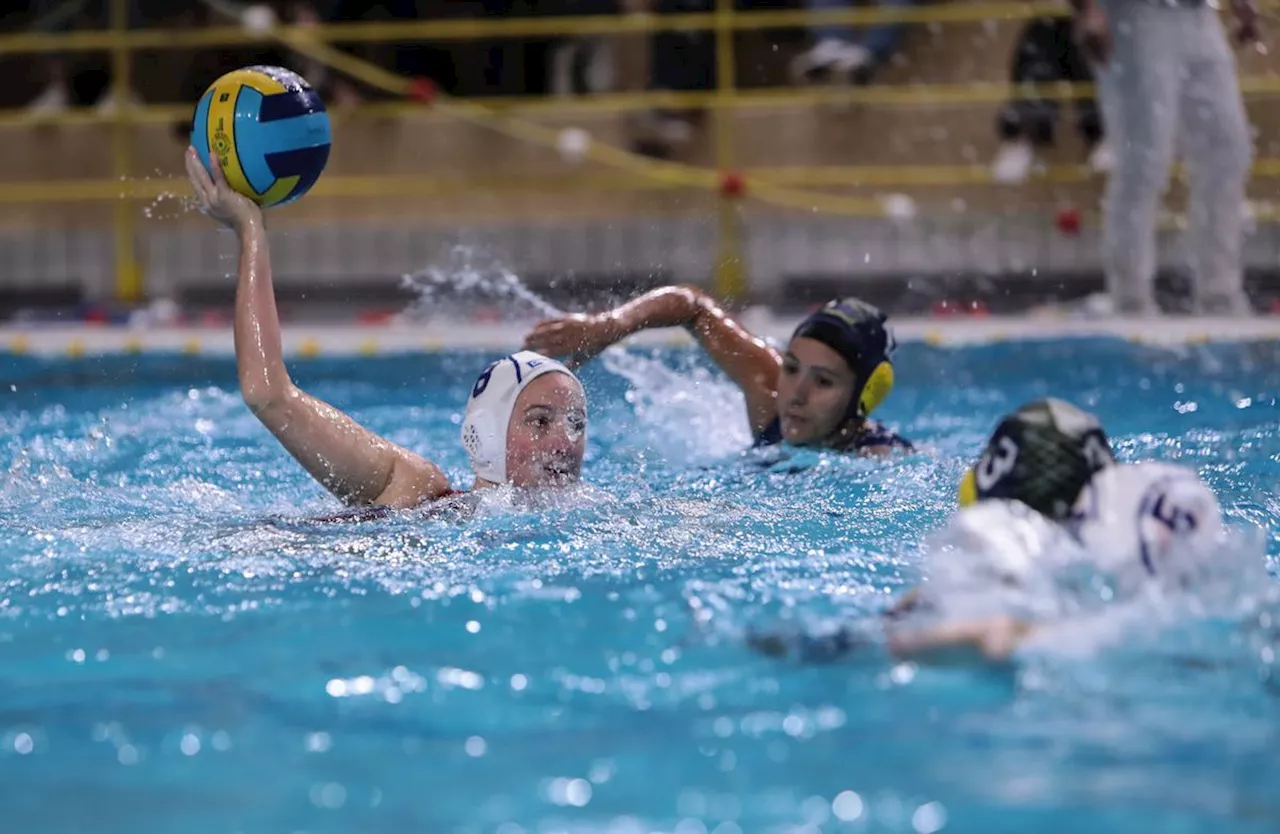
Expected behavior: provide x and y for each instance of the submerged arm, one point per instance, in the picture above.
(808, 648)
(994, 640)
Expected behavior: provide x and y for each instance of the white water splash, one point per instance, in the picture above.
(694, 412)
(464, 276)
(169, 206)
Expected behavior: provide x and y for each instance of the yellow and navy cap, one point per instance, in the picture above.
(861, 334)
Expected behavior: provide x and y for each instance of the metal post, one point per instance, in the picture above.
(730, 273)
(127, 274)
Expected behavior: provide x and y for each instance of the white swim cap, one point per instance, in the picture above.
(1148, 520)
(493, 398)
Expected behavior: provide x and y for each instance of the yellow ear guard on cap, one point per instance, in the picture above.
(860, 334)
(968, 489)
(879, 385)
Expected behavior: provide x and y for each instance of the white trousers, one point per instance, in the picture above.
(1170, 84)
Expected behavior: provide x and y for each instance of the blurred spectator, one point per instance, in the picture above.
(513, 66)
(80, 78)
(580, 64)
(1167, 79)
(685, 61)
(207, 65)
(1046, 53)
(679, 61)
(547, 65)
(408, 59)
(847, 54)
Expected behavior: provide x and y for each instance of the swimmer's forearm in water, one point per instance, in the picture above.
(994, 639)
(746, 359)
(349, 460)
(807, 648)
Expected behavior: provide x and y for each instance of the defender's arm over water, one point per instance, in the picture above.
(820, 391)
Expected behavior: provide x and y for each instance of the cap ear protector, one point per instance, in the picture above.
(876, 389)
(968, 489)
(1042, 455)
(489, 407)
(860, 333)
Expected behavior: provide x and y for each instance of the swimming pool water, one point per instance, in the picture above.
(183, 649)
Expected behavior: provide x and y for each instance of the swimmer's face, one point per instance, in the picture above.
(547, 435)
(813, 391)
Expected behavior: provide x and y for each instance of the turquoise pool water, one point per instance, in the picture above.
(184, 649)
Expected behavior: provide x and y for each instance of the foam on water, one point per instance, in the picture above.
(187, 646)
(708, 408)
(463, 275)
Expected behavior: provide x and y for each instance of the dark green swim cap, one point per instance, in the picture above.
(1042, 455)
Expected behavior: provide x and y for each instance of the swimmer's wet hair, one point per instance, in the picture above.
(1042, 455)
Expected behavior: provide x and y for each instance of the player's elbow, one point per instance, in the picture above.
(695, 298)
(698, 309)
(266, 399)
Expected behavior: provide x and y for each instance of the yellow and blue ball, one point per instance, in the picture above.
(269, 130)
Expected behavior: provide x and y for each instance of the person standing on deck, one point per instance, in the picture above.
(1166, 76)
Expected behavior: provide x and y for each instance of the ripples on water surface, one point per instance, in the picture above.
(183, 649)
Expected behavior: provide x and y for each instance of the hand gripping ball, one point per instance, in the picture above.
(269, 130)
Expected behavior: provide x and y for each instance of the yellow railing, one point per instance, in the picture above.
(622, 24)
(779, 187)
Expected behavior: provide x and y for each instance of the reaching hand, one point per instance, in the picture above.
(214, 197)
(576, 336)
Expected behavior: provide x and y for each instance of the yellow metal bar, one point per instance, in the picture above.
(106, 190)
(532, 26)
(127, 275)
(581, 25)
(730, 272)
(766, 98)
(726, 84)
(535, 26)
(866, 176)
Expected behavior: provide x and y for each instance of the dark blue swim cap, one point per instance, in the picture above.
(860, 333)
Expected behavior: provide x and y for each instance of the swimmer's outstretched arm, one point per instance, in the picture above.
(352, 462)
(748, 360)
